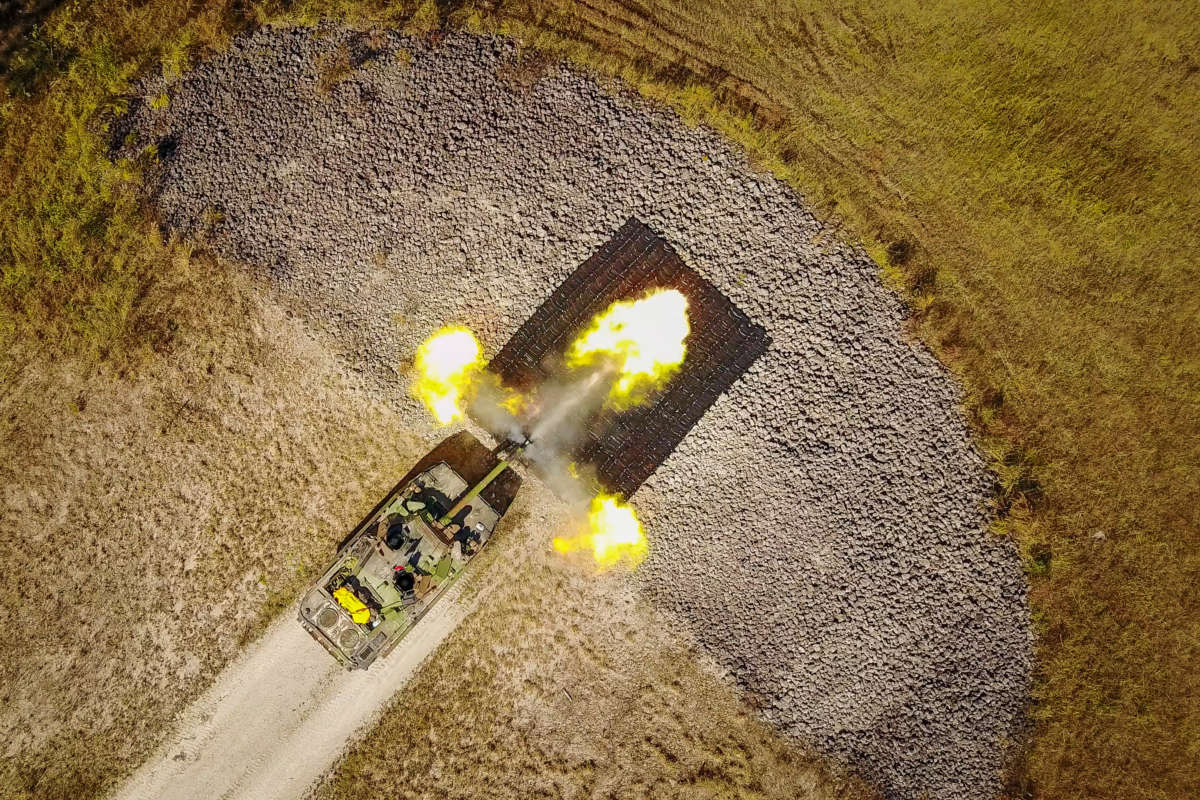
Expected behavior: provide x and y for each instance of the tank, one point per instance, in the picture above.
(400, 560)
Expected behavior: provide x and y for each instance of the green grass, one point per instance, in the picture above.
(76, 251)
(1027, 176)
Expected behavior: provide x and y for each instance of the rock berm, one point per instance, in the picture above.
(822, 531)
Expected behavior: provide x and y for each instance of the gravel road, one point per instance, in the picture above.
(822, 531)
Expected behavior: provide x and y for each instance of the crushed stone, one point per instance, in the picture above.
(822, 531)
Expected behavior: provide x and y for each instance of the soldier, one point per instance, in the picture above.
(412, 501)
(470, 539)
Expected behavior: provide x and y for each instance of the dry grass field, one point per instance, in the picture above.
(1026, 176)
(155, 522)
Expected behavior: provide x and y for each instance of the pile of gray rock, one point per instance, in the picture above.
(822, 531)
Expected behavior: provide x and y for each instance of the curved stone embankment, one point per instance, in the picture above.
(821, 531)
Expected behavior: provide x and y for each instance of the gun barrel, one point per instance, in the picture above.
(506, 459)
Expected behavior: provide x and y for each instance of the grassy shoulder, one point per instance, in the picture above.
(1027, 177)
(156, 522)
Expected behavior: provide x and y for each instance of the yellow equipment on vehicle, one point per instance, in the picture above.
(358, 611)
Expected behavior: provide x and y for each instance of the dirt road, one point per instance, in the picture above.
(280, 715)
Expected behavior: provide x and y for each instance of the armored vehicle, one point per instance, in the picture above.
(406, 553)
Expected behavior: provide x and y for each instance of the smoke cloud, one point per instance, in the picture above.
(553, 419)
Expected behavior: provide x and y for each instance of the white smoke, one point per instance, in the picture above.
(489, 409)
(554, 420)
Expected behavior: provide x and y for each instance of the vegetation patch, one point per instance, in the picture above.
(165, 519)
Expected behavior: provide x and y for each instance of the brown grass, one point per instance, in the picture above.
(334, 69)
(154, 523)
(1027, 175)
